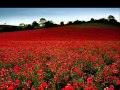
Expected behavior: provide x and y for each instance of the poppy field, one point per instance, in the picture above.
(60, 64)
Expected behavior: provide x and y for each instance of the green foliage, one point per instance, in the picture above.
(62, 23)
(70, 23)
(50, 24)
(107, 61)
(89, 70)
(48, 76)
(35, 24)
(29, 27)
(42, 22)
(7, 65)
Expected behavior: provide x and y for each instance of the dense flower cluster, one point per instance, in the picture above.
(60, 65)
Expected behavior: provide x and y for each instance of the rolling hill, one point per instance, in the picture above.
(70, 32)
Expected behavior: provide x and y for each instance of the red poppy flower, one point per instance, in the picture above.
(11, 88)
(39, 72)
(86, 88)
(68, 87)
(40, 88)
(81, 84)
(115, 71)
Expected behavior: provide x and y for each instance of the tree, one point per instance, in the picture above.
(92, 20)
(29, 27)
(42, 22)
(69, 23)
(110, 17)
(103, 20)
(49, 24)
(62, 23)
(77, 22)
(22, 24)
(35, 24)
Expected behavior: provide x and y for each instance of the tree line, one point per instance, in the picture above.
(43, 23)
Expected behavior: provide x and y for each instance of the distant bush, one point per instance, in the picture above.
(77, 22)
(50, 24)
(29, 27)
(8, 28)
(62, 23)
(34, 24)
(69, 23)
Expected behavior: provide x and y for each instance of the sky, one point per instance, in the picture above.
(15, 16)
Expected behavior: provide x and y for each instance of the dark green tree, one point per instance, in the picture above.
(22, 24)
(62, 23)
(50, 24)
(103, 20)
(42, 22)
(112, 19)
(35, 24)
(77, 22)
(69, 23)
(29, 27)
(92, 20)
